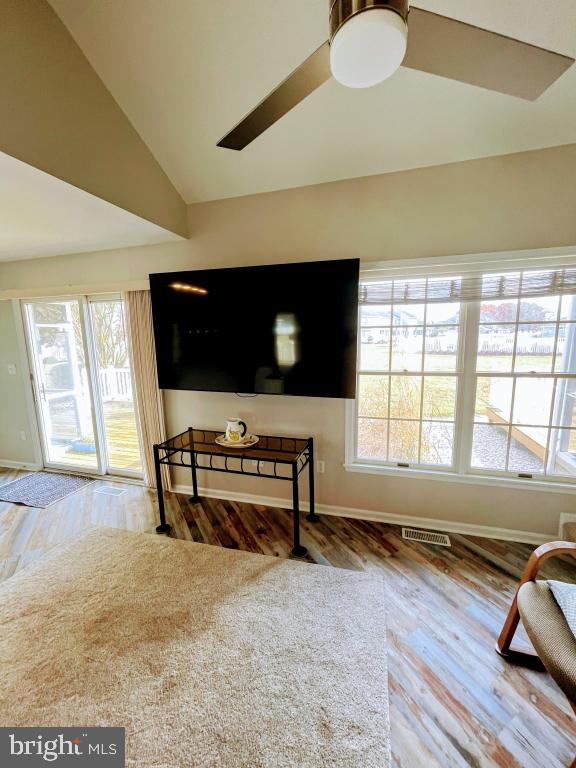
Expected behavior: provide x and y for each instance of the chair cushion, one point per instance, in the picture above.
(550, 634)
(565, 596)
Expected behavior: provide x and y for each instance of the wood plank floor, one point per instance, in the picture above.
(453, 700)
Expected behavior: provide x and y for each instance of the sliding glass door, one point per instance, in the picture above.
(61, 383)
(115, 393)
(83, 384)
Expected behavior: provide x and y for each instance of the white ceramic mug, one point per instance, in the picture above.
(235, 430)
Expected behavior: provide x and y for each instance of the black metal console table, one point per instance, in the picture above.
(278, 458)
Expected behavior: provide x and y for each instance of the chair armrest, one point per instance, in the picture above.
(541, 554)
(537, 558)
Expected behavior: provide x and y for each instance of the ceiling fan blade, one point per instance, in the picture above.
(311, 74)
(450, 48)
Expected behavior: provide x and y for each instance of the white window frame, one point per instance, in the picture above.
(460, 471)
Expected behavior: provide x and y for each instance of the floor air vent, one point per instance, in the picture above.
(426, 537)
(109, 490)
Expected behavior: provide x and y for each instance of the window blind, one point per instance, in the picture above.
(482, 287)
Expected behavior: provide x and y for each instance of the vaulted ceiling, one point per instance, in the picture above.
(186, 71)
(112, 110)
(41, 215)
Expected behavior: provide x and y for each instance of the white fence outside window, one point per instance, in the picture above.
(115, 384)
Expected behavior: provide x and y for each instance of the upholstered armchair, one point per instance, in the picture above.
(544, 622)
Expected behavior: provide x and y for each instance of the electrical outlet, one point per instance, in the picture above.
(320, 467)
(11, 369)
(22, 435)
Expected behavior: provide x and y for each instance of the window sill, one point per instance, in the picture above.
(453, 477)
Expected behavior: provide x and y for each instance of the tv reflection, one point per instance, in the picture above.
(286, 333)
(286, 341)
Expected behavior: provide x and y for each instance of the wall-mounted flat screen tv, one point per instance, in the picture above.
(285, 329)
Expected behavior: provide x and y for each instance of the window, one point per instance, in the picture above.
(471, 374)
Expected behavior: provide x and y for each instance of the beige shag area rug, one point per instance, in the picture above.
(209, 657)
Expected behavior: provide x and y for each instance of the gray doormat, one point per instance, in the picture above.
(41, 489)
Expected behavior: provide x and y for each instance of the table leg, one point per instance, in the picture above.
(297, 548)
(163, 527)
(311, 516)
(194, 498)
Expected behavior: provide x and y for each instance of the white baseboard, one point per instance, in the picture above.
(429, 523)
(7, 464)
(565, 517)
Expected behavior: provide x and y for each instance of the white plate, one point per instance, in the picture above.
(246, 442)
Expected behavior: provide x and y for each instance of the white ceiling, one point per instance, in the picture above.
(43, 216)
(186, 71)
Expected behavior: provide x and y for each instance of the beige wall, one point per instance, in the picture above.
(513, 202)
(510, 203)
(13, 412)
(62, 119)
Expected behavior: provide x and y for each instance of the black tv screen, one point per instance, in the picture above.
(286, 329)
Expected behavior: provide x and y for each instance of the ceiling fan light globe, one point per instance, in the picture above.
(368, 48)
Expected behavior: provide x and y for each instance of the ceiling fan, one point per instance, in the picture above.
(371, 39)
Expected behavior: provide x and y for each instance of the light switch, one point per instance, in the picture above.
(11, 369)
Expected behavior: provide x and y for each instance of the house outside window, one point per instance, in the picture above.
(471, 373)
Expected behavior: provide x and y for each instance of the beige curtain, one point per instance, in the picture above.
(148, 396)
